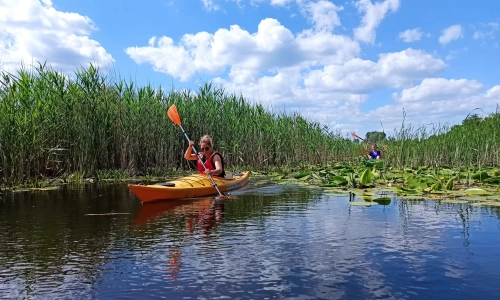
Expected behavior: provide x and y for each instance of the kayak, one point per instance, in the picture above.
(196, 185)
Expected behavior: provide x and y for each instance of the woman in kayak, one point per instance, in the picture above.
(213, 160)
(374, 153)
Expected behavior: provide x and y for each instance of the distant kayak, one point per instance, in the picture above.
(196, 185)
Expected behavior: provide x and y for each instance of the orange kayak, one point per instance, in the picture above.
(196, 185)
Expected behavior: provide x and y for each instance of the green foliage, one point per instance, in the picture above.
(88, 124)
(472, 120)
(375, 136)
(93, 122)
(366, 178)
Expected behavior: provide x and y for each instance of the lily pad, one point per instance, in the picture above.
(473, 199)
(455, 201)
(383, 200)
(437, 192)
(480, 176)
(366, 178)
(405, 190)
(367, 197)
(492, 180)
(329, 185)
(364, 203)
(497, 204)
(339, 180)
(476, 191)
(49, 188)
(304, 177)
(302, 174)
(411, 198)
(338, 193)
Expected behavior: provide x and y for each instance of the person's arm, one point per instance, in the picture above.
(189, 155)
(368, 150)
(218, 166)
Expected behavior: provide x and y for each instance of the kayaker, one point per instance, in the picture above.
(213, 160)
(374, 153)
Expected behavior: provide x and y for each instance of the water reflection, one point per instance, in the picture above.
(201, 215)
(270, 242)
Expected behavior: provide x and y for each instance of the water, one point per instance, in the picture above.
(273, 242)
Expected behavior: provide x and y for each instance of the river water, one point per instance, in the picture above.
(268, 242)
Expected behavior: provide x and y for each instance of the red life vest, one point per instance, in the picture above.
(210, 164)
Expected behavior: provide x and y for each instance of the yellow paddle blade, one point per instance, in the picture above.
(173, 115)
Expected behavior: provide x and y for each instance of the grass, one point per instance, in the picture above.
(97, 125)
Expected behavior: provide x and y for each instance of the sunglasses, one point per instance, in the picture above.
(205, 149)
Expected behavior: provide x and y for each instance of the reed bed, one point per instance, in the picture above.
(53, 125)
(470, 145)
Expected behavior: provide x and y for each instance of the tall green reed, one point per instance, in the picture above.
(52, 124)
(470, 145)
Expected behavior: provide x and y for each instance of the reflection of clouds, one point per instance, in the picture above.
(324, 252)
(12, 289)
(454, 268)
(328, 250)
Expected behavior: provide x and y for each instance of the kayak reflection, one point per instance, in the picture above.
(202, 215)
(203, 211)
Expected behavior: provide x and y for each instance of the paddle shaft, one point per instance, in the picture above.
(355, 135)
(203, 164)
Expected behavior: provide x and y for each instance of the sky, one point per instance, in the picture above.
(359, 65)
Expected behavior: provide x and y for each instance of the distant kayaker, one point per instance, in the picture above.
(374, 153)
(213, 160)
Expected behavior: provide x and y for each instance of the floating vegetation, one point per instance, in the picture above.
(363, 203)
(374, 184)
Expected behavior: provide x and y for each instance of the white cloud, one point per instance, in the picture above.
(490, 30)
(435, 99)
(439, 89)
(451, 33)
(411, 35)
(322, 75)
(280, 2)
(32, 31)
(323, 14)
(392, 70)
(493, 93)
(210, 5)
(272, 46)
(373, 16)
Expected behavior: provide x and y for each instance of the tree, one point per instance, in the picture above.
(375, 136)
(473, 119)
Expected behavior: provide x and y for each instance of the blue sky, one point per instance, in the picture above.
(349, 64)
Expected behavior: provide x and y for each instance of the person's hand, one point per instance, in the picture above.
(191, 143)
(207, 171)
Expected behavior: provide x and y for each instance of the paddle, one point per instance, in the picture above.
(174, 116)
(356, 136)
